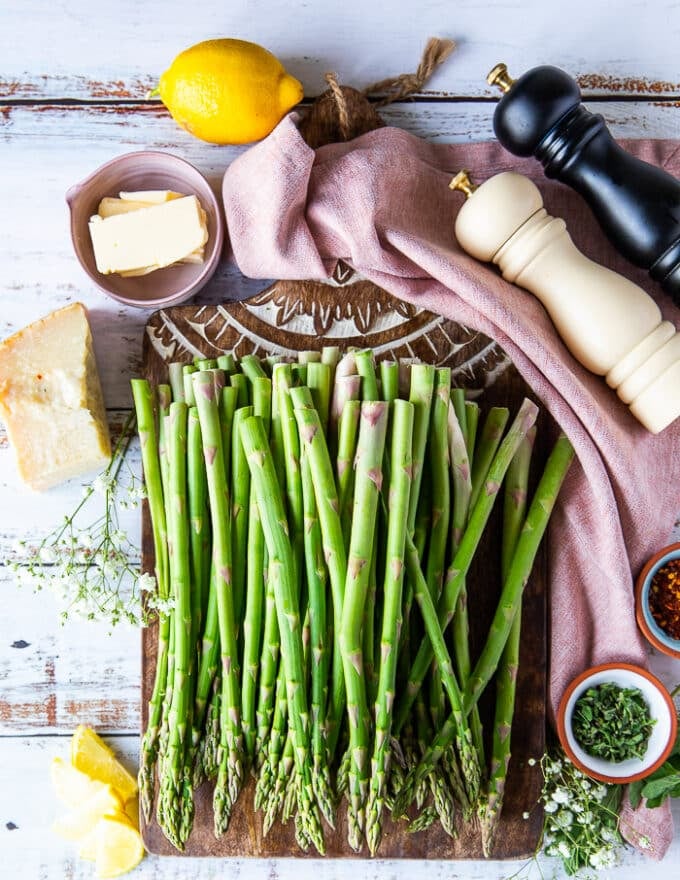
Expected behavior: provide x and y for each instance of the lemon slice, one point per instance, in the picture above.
(119, 847)
(91, 755)
(72, 787)
(132, 811)
(78, 824)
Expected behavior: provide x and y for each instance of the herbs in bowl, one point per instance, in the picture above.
(617, 723)
(612, 722)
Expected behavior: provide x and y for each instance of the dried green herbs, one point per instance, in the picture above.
(612, 722)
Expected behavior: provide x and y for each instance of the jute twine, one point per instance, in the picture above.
(393, 88)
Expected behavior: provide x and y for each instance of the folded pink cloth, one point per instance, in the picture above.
(381, 203)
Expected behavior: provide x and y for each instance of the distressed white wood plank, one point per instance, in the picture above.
(31, 850)
(54, 676)
(39, 269)
(68, 51)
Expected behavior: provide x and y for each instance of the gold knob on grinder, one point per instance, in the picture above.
(463, 183)
(500, 78)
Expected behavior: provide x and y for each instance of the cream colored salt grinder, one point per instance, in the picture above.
(612, 326)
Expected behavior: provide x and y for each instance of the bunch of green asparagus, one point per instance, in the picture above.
(298, 510)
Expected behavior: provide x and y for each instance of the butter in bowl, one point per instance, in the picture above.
(147, 228)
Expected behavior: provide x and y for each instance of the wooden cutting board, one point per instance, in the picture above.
(293, 316)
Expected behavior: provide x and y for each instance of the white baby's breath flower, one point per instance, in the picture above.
(564, 819)
(47, 555)
(564, 849)
(19, 548)
(526, 815)
(103, 483)
(551, 807)
(561, 796)
(644, 842)
(146, 583)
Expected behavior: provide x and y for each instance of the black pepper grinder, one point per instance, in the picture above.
(637, 204)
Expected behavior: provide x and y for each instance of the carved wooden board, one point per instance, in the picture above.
(293, 316)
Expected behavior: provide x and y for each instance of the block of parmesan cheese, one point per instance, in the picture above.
(51, 399)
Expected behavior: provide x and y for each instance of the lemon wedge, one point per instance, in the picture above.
(90, 755)
(118, 847)
(79, 823)
(72, 787)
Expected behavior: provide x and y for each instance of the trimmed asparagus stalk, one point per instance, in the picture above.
(255, 586)
(460, 565)
(368, 482)
(151, 464)
(240, 503)
(314, 443)
(397, 521)
(231, 773)
(281, 569)
(534, 527)
(514, 507)
(176, 804)
(532, 532)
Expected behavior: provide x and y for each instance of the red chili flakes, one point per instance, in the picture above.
(664, 598)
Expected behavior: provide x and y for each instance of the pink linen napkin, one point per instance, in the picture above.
(381, 203)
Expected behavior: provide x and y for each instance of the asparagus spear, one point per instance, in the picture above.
(176, 804)
(514, 506)
(485, 450)
(542, 503)
(399, 491)
(146, 426)
(230, 776)
(313, 441)
(281, 569)
(370, 449)
(240, 503)
(318, 376)
(255, 587)
(458, 568)
(199, 524)
(532, 532)
(176, 379)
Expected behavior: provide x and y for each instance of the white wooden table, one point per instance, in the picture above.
(73, 78)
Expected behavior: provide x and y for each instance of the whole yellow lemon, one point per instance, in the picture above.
(228, 91)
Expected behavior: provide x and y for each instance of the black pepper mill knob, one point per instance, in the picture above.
(637, 204)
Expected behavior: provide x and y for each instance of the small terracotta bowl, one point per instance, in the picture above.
(144, 170)
(661, 709)
(650, 628)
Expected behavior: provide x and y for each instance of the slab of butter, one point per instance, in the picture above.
(154, 236)
(51, 399)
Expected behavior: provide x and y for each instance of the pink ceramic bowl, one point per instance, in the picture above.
(143, 170)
